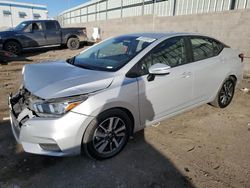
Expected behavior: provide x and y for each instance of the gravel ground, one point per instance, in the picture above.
(205, 147)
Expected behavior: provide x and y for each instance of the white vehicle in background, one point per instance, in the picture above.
(94, 101)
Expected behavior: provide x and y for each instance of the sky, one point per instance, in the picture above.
(55, 6)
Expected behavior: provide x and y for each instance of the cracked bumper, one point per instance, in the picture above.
(65, 132)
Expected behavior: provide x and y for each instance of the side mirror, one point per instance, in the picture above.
(158, 69)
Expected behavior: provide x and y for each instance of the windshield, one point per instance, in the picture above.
(112, 54)
(21, 26)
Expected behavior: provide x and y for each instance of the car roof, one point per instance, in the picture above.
(39, 20)
(158, 35)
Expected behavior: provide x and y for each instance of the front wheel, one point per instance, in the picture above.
(107, 135)
(225, 94)
(73, 43)
(13, 47)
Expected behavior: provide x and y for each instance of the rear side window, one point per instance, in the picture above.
(218, 47)
(51, 26)
(204, 48)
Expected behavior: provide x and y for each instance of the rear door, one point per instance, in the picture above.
(52, 33)
(166, 94)
(33, 35)
(209, 69)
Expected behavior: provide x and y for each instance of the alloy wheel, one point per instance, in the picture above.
(226, 93)
(12, 48)
(109, 135)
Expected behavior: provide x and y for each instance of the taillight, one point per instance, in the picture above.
(241, 56)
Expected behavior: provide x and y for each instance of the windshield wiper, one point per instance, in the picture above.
(84, 66)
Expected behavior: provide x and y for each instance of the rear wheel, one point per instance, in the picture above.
(107, 135)
(73, 43)
(225, 94)
(13, 46)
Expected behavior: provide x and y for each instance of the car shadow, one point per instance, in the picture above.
(138, 165)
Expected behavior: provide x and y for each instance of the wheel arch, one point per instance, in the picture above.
(130, 115)
(83, 138)
(71, 36)
(12, 39)
(127, 111)
(234, 77)
(230, 75)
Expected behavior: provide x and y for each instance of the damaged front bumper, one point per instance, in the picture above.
(59, 136)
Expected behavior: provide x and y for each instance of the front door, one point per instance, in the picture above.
(33, 35)
(166, 94)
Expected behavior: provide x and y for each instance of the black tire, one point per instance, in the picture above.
(13, 46)
(100, 144)
(73, 43)
(225, 94)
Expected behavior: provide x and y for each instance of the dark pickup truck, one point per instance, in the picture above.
(41, 33)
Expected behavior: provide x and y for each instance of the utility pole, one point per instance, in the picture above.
(154, 15)
(11, 17)
(174, 8)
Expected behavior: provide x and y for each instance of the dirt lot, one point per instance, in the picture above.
(205, 147)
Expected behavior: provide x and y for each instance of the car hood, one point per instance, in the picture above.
(7, 33)
(61, 79)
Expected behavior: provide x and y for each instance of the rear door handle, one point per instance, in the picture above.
(186, 74)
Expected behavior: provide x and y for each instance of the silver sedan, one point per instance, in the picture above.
(94, 101)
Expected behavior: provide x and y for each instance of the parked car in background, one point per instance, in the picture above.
(96, 100)
(40, 33)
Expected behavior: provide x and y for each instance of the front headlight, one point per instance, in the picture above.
(57, 108)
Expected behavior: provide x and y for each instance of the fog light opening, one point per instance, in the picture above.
(50, 147)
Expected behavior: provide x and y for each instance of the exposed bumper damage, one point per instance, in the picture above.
(47, 136)
(19, 111)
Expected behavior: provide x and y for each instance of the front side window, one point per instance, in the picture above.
(202, 48)
(171, 52)
(35, 27)
(112, 54)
